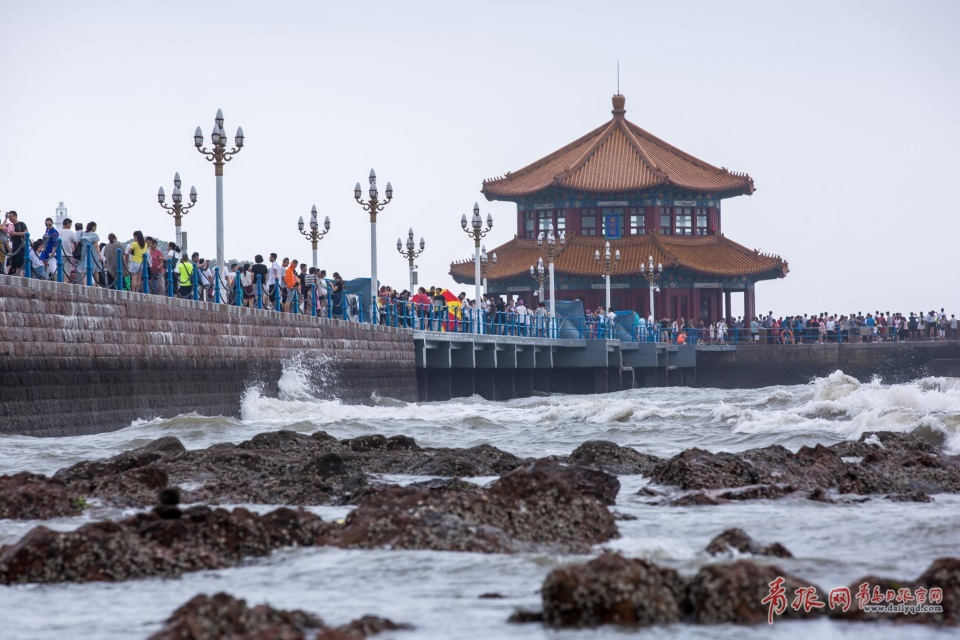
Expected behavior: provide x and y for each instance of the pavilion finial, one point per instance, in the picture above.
(618, 102)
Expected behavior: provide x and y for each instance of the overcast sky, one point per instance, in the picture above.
(844, 113)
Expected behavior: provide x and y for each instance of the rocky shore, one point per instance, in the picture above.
(559, 504)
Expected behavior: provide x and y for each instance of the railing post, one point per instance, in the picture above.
(296, 301)
(88, 261)
(238, 287)
(195, 281)
(170, 292)
(145, 272)
(59, 260)
(313, 298)
(277, 294)
(28, 262)
(259, 292)
(118, 277)
(216, 284)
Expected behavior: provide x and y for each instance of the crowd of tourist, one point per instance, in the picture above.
(140, 264)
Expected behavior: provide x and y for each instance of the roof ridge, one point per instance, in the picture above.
(674, 258)
(638, 147)
(588, 153)
(680, 152)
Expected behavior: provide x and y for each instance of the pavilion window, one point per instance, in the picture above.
(638, 221)
(529, 225)
(684, 220)
(561, 220)
(545, 224)
(701, 221)
(588, 222)
(666, 221)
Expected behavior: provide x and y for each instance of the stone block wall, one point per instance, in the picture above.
(77, 359)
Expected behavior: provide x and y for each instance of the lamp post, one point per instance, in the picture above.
(554, 246)
(411, 253)
(476, 231)
(652, 276)
(485, 262)
(538, 273)
(178, 209)
(373, 207)
(314, 235)
(219, 156)
(606, 265)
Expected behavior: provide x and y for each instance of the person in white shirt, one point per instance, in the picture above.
(273, 278)
(522, 317)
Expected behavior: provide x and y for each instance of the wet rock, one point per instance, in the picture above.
(166, 444)
(375, 442)
(169, 495)
(757, 492)
(916, 496)
(694, 499)
(699, 469)
(148, 544)
(613, 458)
(362, 628)
(734, 592)
(603, 486)
(612, 589)
(532, 508)
(647, 491)
(939, 585)
(490, 596)
(402, 443)
(223, 616)
(28, 496)
(737, 540)
(524, 616)
(819, 495)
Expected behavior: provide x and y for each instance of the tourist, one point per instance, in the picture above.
(185, 277)
(157, 268)
(135, 258)
(272, 281)
(16, 230)
(89, 255)
(49, 252)
(68, 239)
(112, 263)
(37, 264)
(260, 275)
(337, 292)
(173, 252)
(323, 287)
(290, 282)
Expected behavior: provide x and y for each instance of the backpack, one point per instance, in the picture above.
(78, 249)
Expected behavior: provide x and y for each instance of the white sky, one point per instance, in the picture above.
(844, 113)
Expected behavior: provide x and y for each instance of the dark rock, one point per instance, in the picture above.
(612, 589)
(647, 491)
(734, 592)
(618, 516)
(943, 575)
(757, 492)
(28, 496)
(819, 495)
(699, 469)
(167, 512)
(916, 496)
(147, 544)
(524, 616)
(366, 443)
(695, 499)
(736, 540)
(402, 443)
(447, 484)
(166, 444)
(536, 507)
(223, 616)
(169, 495)
(490, 596)
(613, 458)
(362, 628)
(603, 486)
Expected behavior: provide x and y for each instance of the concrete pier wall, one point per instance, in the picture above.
(79, 360)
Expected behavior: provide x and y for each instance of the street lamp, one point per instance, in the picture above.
(606, 265)
(411, 253)
(476, 231)
(373, 207)
(178, 209)
(539, 274)
(484, 265)
(314, 235)
(554, 247)
(652, 277)
(218, 156)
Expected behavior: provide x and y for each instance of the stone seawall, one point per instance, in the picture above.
(79, 359)
(764, 365)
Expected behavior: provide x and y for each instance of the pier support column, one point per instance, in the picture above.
(523, 383)
(613, 379)
(503, 384)
(540, 380)
(483, 383)
(438, 385)
(461, 383)
(560, 381)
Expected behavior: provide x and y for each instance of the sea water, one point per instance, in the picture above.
(438, 592)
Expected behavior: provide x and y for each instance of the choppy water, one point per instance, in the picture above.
(438, 591)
